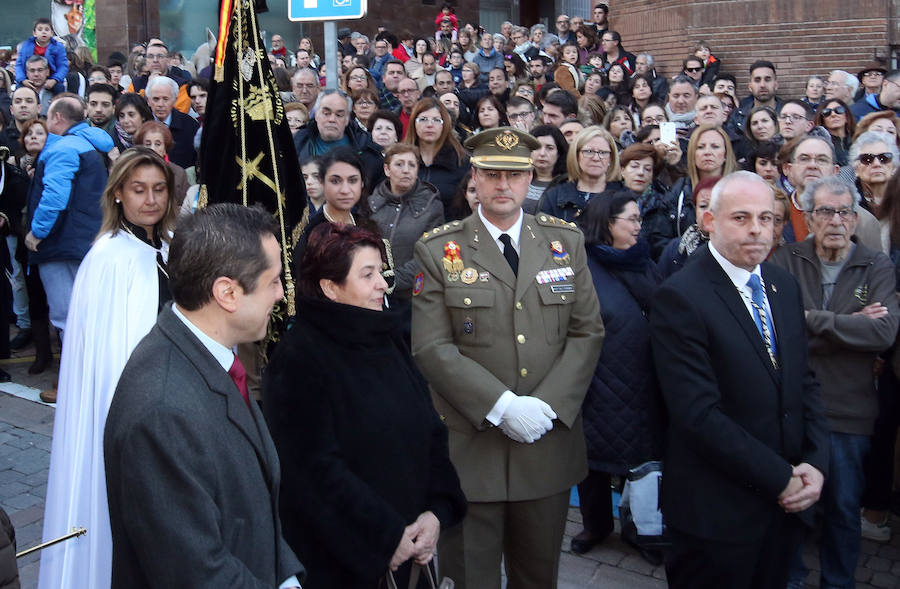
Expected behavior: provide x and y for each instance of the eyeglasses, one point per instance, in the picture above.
(600, 153)
(693, 70)
(867, 159)
(520, 116)
(637, 220)
(561, 21)
(155, 56)
(358, 78)
(364, 103)
(828, 213)
(872, 75)
(821, 161)
(653, 120)
(432, 120)
(791, 118)
(838, 110)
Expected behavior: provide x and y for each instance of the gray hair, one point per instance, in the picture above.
(815, 77)
(499, 37)
(329, 92)
(725, 182)
(833, 185)
(303, 70)
(538, 27)
(648, 57)
(850, 81)
(682, 79)
(870, 137)
(38, 59)
(171, 84)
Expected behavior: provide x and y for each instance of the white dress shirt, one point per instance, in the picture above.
(739, 277)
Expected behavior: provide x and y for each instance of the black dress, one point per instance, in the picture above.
(363, 452)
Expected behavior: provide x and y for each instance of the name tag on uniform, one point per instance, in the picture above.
(554, 275)
(562, 288)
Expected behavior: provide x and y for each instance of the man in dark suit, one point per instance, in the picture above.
(748, 444)
(191, 472)
(162, 92)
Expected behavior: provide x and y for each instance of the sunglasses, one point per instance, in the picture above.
(838, 110)
(867, 159)
(693, 69)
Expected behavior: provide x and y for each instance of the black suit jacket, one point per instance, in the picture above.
(183, 128)
(192, 475)
(737, 425)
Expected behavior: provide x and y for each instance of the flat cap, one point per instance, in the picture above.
(503, 148)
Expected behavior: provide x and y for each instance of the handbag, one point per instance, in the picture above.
(639, 514)
(414, 573)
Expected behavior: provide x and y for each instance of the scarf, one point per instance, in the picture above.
(692, 239)
(683, 120)
(124, 138)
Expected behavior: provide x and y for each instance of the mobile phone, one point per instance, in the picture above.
(667, 132)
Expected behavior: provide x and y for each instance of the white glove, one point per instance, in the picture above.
(526, 419)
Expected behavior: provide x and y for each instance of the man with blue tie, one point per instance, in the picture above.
(748, 446)
(851, 316)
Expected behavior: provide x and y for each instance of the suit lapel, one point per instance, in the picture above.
(486, 253)
(534, 249)
(247, 421)
(726, 290)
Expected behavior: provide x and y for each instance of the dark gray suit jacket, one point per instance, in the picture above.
(192, 475)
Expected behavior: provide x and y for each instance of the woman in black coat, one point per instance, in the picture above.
(622, 409)
(367, 483)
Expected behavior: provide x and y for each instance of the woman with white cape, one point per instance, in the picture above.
(120, 287)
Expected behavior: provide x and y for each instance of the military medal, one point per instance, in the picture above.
(484, 276)
(453, 264)
(468, 326)
(560, 255)
(469, 275)
(418, 283)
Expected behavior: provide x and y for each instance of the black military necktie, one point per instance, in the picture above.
(509, 252)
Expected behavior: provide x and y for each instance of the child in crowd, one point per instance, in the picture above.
(42, 43)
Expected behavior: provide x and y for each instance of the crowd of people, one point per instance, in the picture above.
(529, 261)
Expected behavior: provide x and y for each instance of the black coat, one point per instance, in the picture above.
(736, 424)
(660, 225)
(564, 201)
(183, 128)
(9, 573)
(363, 450)
(445, 173)
(623, 408)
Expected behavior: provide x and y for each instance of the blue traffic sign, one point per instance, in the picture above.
(302, 10)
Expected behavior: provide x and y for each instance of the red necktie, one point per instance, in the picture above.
(239, 376)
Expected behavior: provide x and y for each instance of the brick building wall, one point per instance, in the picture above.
(801, 37)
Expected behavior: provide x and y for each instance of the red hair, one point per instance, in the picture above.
(329, 254)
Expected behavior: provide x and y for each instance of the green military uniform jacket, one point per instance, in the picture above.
(485, 331)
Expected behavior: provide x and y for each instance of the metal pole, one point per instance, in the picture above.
(74, 533)
(331, 54)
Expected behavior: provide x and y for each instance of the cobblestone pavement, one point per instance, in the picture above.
(26, 428)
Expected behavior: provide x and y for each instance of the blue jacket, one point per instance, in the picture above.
(564, 201)
(869, 104)
(486, 63)
(64, 200)
(623, 409)
(56, 57)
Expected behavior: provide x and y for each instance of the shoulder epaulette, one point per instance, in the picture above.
(551, 221)
(444, 229)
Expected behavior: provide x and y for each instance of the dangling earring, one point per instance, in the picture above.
(118, 201)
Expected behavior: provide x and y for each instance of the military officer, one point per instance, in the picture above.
(507, 330)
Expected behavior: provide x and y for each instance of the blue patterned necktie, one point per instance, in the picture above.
(761, 317)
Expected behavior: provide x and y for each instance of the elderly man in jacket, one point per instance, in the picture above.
(330, 129)
(851, 316)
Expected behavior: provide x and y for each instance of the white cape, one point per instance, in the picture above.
(114, 305)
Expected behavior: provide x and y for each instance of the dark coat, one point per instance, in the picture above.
(623, 408)
(369, 152)
(402, 221)
(564, 201)
(202, 508)
(184, 128)
(445, 173)
(364, 452)
(660, 225)
(736, 424)
(9, 572)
